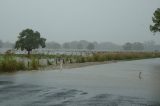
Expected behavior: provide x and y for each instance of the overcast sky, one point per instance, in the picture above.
(116, 21)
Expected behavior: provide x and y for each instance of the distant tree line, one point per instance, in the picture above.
(105, 46)
(82, 44)
(102, 46)
(6, 44)
(137, 46)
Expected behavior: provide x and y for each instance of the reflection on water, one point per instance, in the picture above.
(132, 83)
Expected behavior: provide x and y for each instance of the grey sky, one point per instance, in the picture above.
(116, 21)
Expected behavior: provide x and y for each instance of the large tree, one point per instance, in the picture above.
(156, 21)
(29, 39)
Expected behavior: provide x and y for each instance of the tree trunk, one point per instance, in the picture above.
(29, 52)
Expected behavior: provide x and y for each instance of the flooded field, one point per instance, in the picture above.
(128, 83)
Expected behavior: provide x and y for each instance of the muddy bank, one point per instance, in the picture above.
(74, 65)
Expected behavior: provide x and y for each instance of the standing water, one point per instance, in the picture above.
(128, 83)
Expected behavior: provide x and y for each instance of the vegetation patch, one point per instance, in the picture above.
(9, 62)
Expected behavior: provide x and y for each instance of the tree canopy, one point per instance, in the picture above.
(127, 46)
(29, 40)
(156, 22)
(91, 46)
(133, 46)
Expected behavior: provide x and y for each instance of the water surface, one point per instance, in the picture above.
(115, 84)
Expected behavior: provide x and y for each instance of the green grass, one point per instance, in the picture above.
(34, 64)
(8, 63)
(109, 56)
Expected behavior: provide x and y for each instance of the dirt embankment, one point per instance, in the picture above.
(75, 65)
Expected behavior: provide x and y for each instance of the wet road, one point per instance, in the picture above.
(115, 84)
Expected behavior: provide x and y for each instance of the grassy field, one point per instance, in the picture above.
(9, 62)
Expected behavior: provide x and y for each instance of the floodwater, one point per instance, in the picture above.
(128, 83)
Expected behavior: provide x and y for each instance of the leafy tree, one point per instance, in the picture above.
(127, 46)
(156, 20)
(29, 40)
(90, 46)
